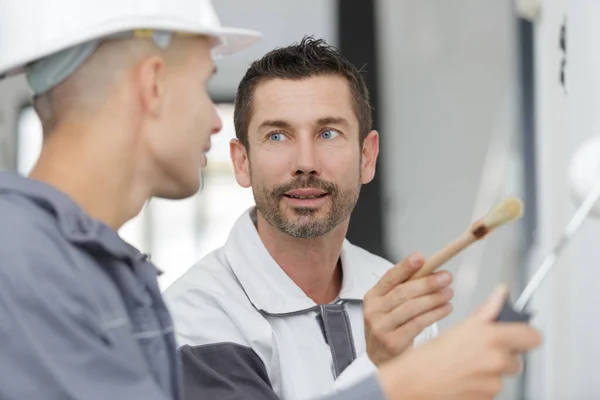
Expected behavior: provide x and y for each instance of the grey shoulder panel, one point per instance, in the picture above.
(224, 371)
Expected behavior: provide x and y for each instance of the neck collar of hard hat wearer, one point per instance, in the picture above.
(49, 71)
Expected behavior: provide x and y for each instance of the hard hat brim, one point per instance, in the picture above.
(234, 40)
(229, 41)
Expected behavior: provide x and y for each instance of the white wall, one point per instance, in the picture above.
(566, 306)
(549, 369)
(583, 121)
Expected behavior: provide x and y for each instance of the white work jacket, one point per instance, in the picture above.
(247, 331)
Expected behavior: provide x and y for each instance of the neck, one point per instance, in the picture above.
(313, 264)
(93, 166)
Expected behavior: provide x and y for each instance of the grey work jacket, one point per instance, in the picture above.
(81, 313)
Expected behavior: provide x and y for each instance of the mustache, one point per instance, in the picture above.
(303, 183)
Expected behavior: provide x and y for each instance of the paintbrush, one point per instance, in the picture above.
(508, 210)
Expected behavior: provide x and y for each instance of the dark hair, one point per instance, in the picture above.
(311, 57)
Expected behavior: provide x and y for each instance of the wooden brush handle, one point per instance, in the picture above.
(445, 254)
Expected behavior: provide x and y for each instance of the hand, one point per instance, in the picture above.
(465, 363)
(396, 310)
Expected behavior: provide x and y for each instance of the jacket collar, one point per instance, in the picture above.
(75, 225)
(270, 289)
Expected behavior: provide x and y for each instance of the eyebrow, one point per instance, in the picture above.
(281, 124)
(275, 123)
(333, 121)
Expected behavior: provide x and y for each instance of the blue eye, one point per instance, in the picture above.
(329, 134)
(276, 137)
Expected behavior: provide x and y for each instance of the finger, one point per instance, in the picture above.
(487, 387)
(518, 337)
(500, 361)
(415, 326)
(413, 308)
(514, 365)
(417, 288)
(490, 310)
(399, 273)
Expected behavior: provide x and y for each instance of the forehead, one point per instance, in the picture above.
(303, 101)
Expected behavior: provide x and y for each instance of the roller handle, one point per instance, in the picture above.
(509, 314)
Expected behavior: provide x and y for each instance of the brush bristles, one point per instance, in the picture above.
(508, 210)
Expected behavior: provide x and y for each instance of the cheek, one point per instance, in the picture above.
(268, 168)
(203, 112)
(192, 120)
(180, 114)
(341, 165)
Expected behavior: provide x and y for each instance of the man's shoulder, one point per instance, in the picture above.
(34, 254)
(208, 305)
(24, 230)
(211, 273)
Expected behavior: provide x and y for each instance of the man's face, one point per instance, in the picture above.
(305, 163)
(190, 118)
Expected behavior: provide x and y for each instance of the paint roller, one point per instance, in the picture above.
(584, 182)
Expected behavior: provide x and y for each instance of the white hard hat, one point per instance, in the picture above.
(69, 31)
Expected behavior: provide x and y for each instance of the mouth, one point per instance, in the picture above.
(306, 197)
(307, 193)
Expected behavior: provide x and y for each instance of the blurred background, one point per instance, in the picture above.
(474, 100)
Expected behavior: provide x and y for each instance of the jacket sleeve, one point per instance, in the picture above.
(50, 350)
(367, 389)
(224, 371)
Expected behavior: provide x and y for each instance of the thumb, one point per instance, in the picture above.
(490, 310)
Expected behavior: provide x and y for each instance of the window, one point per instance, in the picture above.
(175, 233)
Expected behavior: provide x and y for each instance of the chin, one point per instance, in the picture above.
(296, 212)
(180, 190)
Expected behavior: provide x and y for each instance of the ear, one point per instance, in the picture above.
(241, 164)
(370, 151)
(151, 79)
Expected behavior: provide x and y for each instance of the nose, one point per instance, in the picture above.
(306, 161)
(216, 122)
